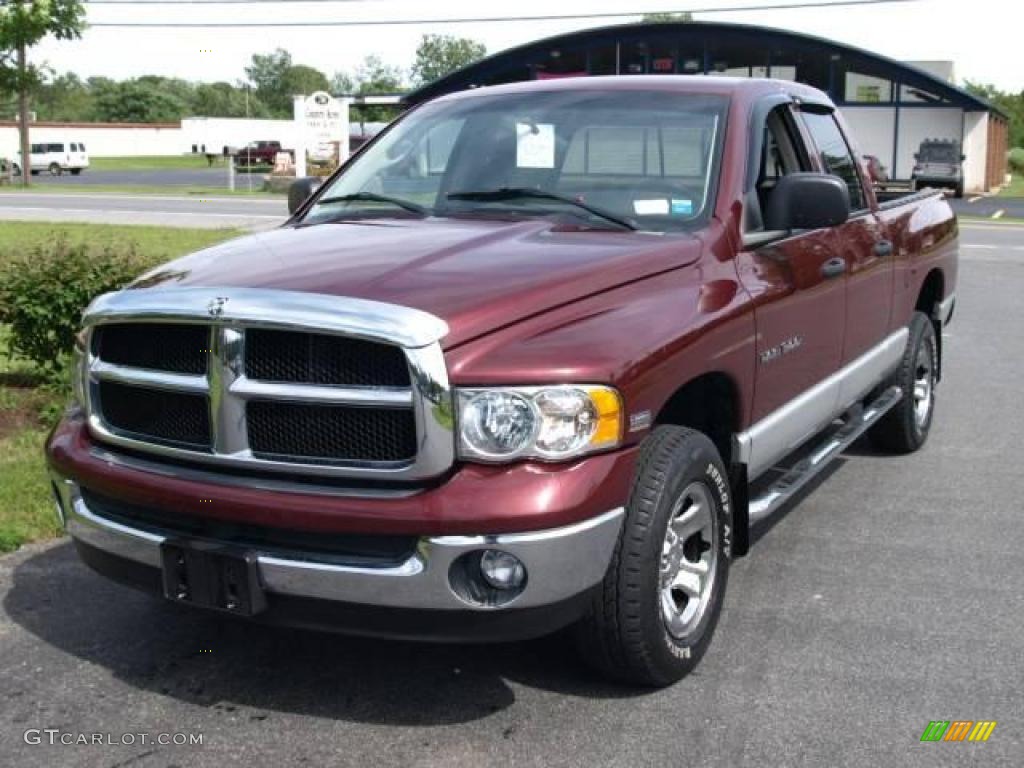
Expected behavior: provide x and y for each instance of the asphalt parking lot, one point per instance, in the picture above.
(890, 595)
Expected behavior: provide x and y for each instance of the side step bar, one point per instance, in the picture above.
(854, 423)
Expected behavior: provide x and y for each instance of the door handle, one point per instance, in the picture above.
(883, 248)
(833, 268)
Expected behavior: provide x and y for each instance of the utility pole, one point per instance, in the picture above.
(26, 153)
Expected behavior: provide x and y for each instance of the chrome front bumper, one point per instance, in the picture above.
(561, 562)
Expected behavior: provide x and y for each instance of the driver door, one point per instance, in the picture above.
(798, 285)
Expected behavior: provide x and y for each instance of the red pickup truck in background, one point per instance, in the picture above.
(537, 356)
(260, 153)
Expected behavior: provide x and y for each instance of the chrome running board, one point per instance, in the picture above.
(815, 457)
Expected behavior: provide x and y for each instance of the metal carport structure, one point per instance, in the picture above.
(892, 106)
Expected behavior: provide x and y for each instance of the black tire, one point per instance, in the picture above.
(625, 634)
(958, 192)
(76, 171)
(54, 169)
(905, 428)
(34, 172)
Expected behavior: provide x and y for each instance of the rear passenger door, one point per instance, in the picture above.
(862, 242)
(799, 292)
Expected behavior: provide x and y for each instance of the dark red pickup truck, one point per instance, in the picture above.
(539, 355)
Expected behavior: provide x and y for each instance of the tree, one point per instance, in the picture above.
(1010, 103)
(227, 100)
(302, 79)
(277, 79)
(437, 55)
(23, 23)
(667, 17)
(373, 76)
(65, 97)
(133, 101)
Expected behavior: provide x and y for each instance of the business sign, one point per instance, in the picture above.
(324, 129)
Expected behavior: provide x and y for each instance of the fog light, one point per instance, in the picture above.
(502, 570)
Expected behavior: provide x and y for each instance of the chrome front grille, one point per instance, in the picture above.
(270, 380)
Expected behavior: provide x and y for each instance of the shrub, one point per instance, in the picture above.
(1017, 159)
(43, 293)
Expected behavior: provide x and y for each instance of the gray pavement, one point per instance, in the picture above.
(216, 176)
(180, 211)
(890, 595)
(989, 207)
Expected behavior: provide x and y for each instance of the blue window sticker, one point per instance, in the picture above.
(682, 207)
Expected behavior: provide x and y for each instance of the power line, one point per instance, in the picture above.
(474, 20)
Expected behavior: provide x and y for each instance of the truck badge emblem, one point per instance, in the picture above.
(216, 306)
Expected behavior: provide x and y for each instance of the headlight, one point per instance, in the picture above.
(553, 423)
(77, 372)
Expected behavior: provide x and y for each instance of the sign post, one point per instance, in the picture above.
(299, 112)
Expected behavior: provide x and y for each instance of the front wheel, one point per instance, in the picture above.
(659, 603)
(54, 169)
(905, 427)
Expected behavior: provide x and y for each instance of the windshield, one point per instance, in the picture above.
(940, 153)
(629, 158)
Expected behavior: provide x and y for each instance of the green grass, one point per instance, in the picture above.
(58, 188)
(26, 406)
(154, 163)
(1015, 188)
(26, 506)
(155, 243)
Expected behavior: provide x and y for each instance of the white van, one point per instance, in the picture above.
(57, 157)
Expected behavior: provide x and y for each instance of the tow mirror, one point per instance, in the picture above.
(300, 191)
(807, 201)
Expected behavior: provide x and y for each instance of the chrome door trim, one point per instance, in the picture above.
(786, 428)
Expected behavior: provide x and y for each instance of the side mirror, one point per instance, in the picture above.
(300, 191)
(917, 157)
(807, 201)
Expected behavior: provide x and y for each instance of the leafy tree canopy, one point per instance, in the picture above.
(437, 55)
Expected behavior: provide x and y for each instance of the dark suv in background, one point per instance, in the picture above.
(939, 163)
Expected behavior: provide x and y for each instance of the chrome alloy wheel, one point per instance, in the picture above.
(688, 559)
(924, 385)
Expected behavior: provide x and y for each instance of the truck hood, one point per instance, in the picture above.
(477, 275)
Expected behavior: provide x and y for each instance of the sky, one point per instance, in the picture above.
(982, 37)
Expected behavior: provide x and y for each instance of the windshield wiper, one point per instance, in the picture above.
(516, 193)
(372, 197)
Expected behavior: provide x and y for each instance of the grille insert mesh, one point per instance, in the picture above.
(289, 431)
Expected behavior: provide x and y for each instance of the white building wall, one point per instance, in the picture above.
(976, 149)
(873, 129)
(101, 140)
(920, 123)
(113, 140)
(219, 132)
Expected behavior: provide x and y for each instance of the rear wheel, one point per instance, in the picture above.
(905, 427)
(658, 606)
(76, 171)
(54, 169)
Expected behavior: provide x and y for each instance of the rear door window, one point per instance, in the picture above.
(836, 156)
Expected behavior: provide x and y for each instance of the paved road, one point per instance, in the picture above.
(1000, 207)
(889, 596)
(170, 177)
(214, 212)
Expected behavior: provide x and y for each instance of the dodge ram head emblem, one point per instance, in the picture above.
(216, 306)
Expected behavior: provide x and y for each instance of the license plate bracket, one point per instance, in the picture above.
(212, 576)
